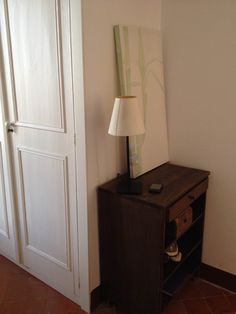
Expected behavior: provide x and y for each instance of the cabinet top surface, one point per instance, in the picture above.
(176, 181)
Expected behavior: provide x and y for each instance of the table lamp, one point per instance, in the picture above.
(127, 120)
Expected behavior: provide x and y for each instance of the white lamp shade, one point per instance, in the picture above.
(126, 119)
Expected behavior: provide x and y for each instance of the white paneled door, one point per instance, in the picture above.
(36, 44)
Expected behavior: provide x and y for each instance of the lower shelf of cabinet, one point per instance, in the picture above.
(188, 244)
(182, 274)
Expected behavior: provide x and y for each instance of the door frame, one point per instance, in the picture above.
(81, 164)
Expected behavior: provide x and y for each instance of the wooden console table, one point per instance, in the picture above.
(135, 231)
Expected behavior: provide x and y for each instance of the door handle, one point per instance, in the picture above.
(10, 127)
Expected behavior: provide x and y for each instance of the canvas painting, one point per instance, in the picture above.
(140, 68)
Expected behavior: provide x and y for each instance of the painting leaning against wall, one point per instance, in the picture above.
(140, 69)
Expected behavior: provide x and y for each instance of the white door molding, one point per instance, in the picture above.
(81, 174)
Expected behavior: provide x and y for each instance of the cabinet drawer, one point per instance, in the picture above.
(185, 201)
(183, 221)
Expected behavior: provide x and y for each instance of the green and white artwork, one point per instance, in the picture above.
(140, 67)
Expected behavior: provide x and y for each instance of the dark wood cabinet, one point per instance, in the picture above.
(135, 230)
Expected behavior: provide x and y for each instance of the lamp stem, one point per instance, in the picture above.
(127, 153)
(129, 186)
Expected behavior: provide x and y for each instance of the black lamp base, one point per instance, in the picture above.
(129, 186)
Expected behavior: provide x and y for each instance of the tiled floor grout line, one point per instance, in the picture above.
(208, 305)
(217, 286)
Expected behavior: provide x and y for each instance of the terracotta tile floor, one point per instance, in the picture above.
(197, 297)
(21, 293)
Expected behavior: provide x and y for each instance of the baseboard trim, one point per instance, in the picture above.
(95, 298)
(218, 277)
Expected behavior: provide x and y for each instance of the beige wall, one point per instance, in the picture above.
(200, 59)
(104, 152)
